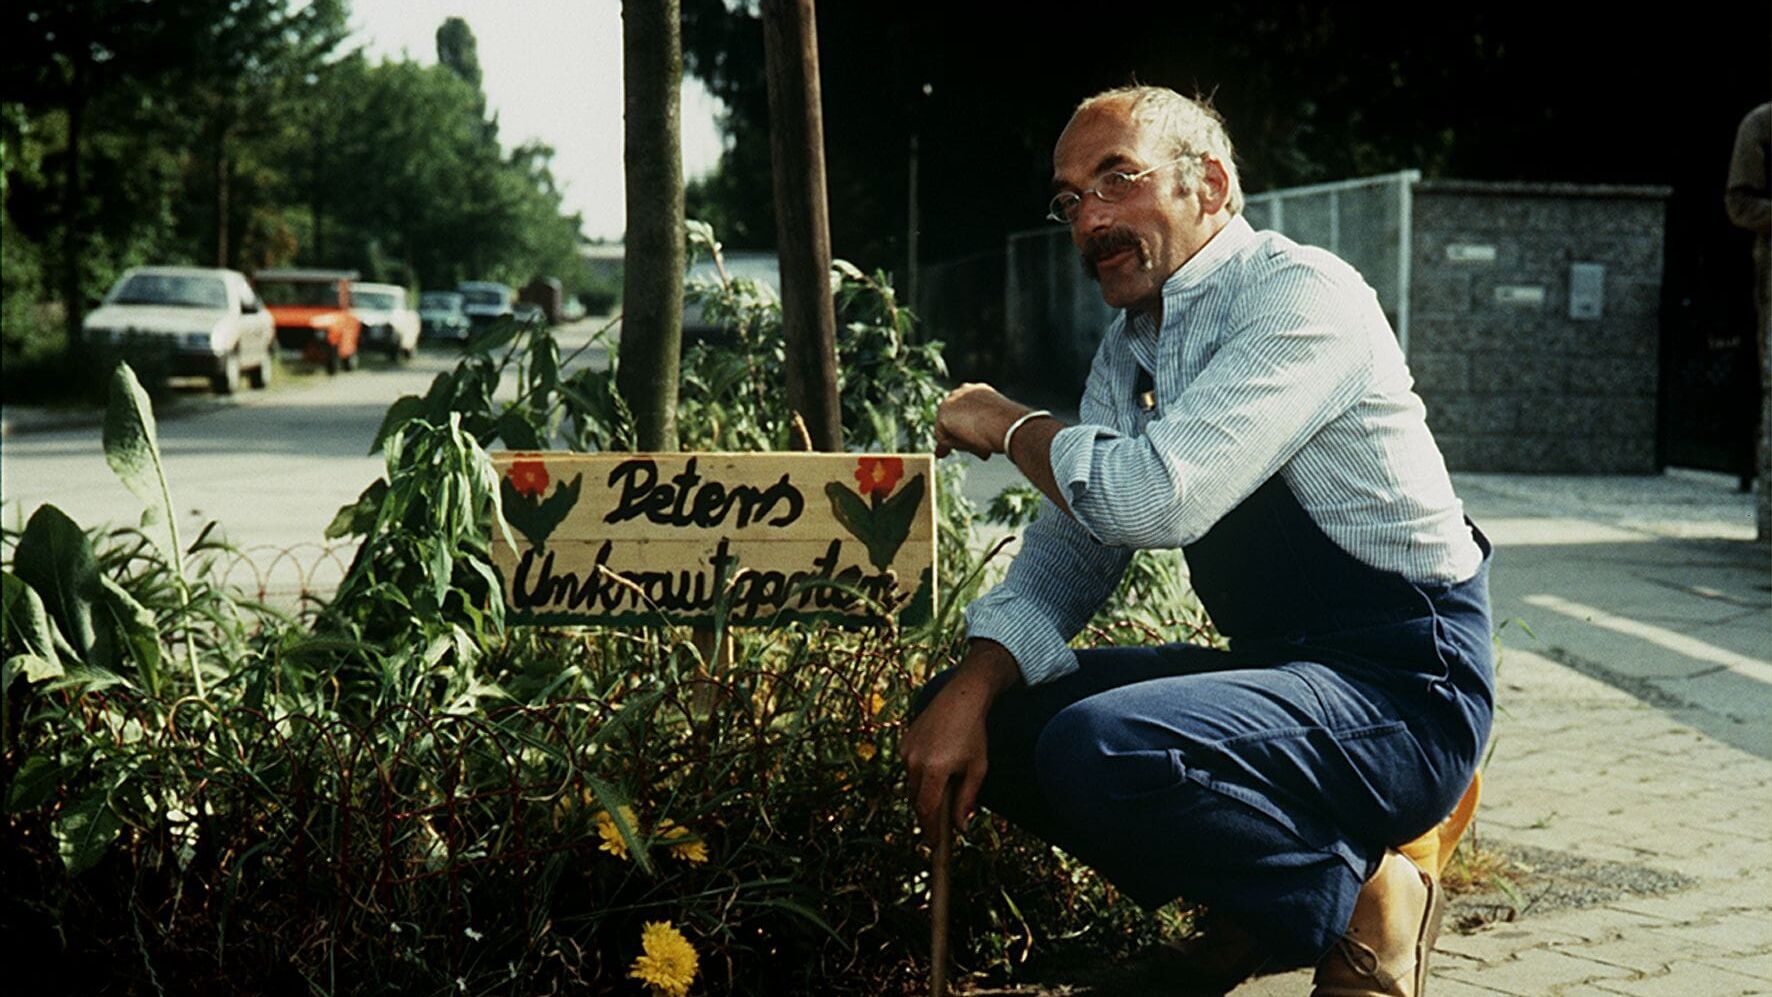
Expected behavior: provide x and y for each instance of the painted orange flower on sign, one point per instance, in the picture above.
(879, 474)
(529, 477)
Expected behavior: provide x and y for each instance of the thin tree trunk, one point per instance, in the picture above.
(802, 217)
(317, 199)
(652, 310)
(73, 295)
(221, 196)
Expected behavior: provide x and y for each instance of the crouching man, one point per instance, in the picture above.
(1250, 406)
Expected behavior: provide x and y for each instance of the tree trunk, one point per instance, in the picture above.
(221, 196)
(73, 295)
(652, 285)
(802, 217)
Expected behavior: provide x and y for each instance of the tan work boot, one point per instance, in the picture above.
(1384, 952)
(1433, 850)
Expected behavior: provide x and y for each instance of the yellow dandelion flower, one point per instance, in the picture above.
(667, 961)
(876, 703)
(613, 842)
(689, 851)
(866, 750)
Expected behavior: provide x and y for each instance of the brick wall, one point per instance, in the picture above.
(1513, 381)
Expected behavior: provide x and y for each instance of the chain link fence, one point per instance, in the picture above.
(1365, 222)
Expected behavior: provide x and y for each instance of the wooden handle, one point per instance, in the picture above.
(938, 900)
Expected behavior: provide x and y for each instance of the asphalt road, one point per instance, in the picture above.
(269, 468)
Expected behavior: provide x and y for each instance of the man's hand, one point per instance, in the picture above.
(947, 740)
(973, 418)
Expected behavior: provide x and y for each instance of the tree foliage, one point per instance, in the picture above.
(242, 133)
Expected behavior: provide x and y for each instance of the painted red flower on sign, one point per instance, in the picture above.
(879, 474)
(529, 477)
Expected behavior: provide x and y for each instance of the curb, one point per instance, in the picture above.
(45, 421)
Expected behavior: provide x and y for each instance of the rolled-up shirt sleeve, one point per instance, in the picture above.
(1299, 354)
(1061, 576)
(1055, 585)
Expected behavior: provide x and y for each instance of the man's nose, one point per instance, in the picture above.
(1094, 214)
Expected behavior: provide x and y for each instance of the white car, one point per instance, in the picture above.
(389, 323)
(214, 323)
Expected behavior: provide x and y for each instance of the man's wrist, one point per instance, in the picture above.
(990, 665)
(1020, 421)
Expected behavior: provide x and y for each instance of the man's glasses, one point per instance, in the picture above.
(1110, 187)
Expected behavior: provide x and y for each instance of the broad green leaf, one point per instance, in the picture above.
(34, 668)
(85, 830)
(141, 636)
(26, 621)
(83, 678)
(33, 784)
(356, 519)
(133, 452)
(516, 431)
(546, 363)
(55, 558)
(404, 410)
(495, 336)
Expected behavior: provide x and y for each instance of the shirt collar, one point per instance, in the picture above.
(1219, 249)
(1192, 275)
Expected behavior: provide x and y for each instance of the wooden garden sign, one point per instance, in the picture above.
(621, 538)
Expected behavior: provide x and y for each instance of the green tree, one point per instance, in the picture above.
(458, 50)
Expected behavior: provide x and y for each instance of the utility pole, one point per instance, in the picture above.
(802, 217)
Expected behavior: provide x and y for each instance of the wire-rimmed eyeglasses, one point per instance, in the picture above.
(1112, 187)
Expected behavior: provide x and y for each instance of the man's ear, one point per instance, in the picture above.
(1215, 185)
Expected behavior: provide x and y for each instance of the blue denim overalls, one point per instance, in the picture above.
(1265, 781)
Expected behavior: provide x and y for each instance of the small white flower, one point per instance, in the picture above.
(471, 933)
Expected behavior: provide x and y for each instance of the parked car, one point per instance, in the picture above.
(529, 314)
(440, 315)
(486, 301)
(389, 323)
(762, 268)
(213, 322)
(312, 309)
(573, 308)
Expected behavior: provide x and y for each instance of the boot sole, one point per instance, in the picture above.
(1430, 930)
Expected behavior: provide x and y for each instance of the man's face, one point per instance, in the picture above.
(1130, 247)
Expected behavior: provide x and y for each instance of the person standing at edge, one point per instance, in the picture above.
(1250, 406)
(1748, 199)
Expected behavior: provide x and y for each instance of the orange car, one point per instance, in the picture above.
(312, 310)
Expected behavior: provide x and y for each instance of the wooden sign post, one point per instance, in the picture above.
(688, 538)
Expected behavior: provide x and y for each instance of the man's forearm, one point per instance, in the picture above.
(1031, 453)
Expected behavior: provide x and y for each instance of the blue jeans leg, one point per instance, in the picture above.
(1268, 793)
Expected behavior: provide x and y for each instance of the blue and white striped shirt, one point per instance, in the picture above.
(1271, 358)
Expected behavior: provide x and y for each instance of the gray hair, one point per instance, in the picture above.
(1190, 128)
